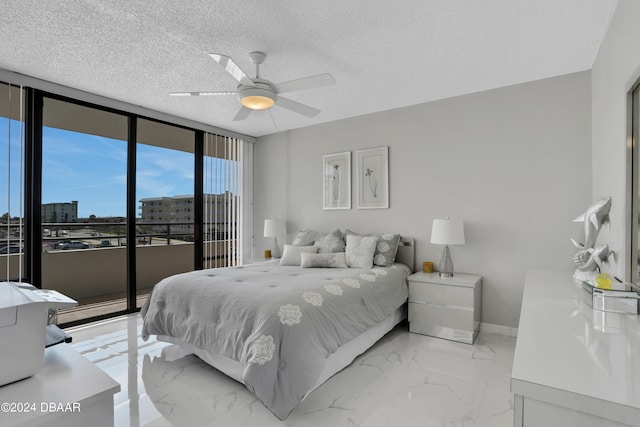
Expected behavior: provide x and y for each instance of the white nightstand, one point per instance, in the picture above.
(447, 308)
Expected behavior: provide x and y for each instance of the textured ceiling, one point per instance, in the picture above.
(383, 54)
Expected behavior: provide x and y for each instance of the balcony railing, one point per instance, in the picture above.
(96, 274)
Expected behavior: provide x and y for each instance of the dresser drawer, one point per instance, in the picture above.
(431, 293)
(440, 322)
(425, 315)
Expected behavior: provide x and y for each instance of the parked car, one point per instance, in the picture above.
(73, 244)
(105, 244)
(11, 249)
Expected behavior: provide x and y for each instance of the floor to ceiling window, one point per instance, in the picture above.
(84, 170)
(165, 220)
(11, 182)
(101, 204)
(222, 204)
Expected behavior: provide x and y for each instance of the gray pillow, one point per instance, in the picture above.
(386, 247)
(333, 260)
(330, 243)
(304, 238)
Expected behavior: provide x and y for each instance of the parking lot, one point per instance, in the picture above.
(58, 240)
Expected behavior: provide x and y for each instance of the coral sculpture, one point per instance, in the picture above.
(589, 259)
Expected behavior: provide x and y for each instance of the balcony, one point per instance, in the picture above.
(96, 275)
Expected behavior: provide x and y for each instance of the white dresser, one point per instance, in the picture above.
(69, 391)
(448, 307)
(573, 366)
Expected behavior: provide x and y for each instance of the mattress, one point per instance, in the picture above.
(334, 364)
(277, 329)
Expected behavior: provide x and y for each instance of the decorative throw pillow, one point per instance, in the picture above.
(326, 260)
(291, 255)
(360, 250)
(330, 243)
(386, 248)
(304, 238)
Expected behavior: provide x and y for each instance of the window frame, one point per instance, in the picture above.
(33, 179)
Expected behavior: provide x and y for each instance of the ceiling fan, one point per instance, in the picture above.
(260, 94)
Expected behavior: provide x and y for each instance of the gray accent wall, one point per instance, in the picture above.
(514, 163)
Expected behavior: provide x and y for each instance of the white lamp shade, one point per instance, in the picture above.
(447, 232)
(275, 227)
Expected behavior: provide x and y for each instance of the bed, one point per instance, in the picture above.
(282, 331)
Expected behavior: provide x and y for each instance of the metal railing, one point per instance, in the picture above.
(101, 235)
(221, 248)
(98, 271)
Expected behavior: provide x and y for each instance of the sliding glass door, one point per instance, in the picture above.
(165, 220)
(84, 195)
(102, 204)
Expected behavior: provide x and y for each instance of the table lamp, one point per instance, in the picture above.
(447, 232)
(274, 228)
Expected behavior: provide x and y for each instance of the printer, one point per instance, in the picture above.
(24, 310)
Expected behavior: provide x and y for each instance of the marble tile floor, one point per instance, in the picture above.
(404, 380)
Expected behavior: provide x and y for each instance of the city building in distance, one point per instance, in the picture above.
(60, 212)
(179, 210)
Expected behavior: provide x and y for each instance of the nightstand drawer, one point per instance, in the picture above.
(424, 316)
(431, 293)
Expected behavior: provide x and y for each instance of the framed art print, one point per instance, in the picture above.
(337, 181)
(373, 178)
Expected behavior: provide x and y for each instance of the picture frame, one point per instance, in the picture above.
(373, 178)
(336, 181)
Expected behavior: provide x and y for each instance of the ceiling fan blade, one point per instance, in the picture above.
(222, 92)
(311, 82)
(297, 107)
(231, 68)
(272, 119)
(242, 114)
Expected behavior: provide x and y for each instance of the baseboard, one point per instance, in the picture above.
(490, 328)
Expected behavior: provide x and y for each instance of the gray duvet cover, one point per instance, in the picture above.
(281, 323)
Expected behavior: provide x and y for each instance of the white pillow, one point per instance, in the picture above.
(326, 260)
(386, 250)
(360, 250)
(291, 255)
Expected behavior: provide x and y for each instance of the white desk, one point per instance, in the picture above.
(66, 378)
(573, 366)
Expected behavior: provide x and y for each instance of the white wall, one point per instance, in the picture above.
(513, 163)
(616, 68)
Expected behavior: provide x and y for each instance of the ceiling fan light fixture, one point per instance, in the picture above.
(256, 93)
(257, 102)
(257, 98)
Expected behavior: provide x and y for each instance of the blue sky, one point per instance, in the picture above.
(5, 152)
(92, 170)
